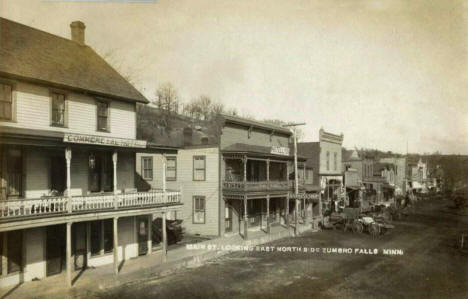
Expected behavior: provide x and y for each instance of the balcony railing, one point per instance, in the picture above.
(255, 186)
(49, 205)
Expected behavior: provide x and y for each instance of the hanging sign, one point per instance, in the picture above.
(280, 150)
(103, 140)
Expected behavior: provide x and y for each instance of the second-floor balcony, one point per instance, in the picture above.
(248, 186)
(61, 205)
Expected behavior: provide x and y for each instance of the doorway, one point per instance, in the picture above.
(228, 219)
(55, 249)
(142, 228)
(79, 245)
(58, 173)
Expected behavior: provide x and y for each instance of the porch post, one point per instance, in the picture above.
(68, 257)
(246, 219)
(304, 208)
(286, 211)
(114, 162)
(150, 233)
(320, 204)
(268, 170)
(164, 175)
(116, 245)
(164, 237)
(268, 213)
(296, 215)
(68, 156)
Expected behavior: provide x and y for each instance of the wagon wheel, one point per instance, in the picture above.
(374, 230)
(358, 227)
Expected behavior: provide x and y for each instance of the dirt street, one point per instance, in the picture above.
(431, 266)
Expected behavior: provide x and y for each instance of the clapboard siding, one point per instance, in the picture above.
(33, 104)
(190, 188)
(331, 148)
(235, 134)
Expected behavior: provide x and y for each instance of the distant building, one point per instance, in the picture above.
(325, 156)
(400, 169)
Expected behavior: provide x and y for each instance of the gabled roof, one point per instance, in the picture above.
(256, 124)
(37, 56)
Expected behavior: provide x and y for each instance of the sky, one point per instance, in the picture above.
(387, 74)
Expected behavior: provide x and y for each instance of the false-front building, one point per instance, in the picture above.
(67, 159)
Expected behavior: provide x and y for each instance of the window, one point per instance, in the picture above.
(6, 102)
(171, 169)
(58, 109)
(103, 116)
(102, 237)
(199, 168)
(147, 168)
(198, 209)
(328, 160)
(309, 176)
(335, 158)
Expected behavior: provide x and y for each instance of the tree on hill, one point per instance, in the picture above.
(167, 98)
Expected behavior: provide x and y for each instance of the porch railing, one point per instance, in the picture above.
(79, 204)
(256, 186)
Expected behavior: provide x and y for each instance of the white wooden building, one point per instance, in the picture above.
(68, 146)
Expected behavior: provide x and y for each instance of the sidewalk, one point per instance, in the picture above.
(141, 268)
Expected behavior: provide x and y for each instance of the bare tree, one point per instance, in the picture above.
(167, 98)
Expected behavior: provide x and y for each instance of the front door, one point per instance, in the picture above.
(228, 219)
(79, 245)
(142, 227)
(55, 249)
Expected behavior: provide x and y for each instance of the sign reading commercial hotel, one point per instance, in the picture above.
(280, 150)
(102, 140)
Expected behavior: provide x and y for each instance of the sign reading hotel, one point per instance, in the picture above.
(280, 150)
(102, 140)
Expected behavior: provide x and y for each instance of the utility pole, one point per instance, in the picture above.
(296, 182)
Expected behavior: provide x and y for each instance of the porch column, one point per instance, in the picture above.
(150, 234)
(68, 156)
(164, 175)
(286, 211)
(320, 204)
(116, 245)
(268, 170)
(304, 208)
(68, 257)
(164, 237)
(296, 216)
(114, 162)
(268, 213)
(246, 219)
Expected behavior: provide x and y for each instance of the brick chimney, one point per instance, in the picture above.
(78, 32)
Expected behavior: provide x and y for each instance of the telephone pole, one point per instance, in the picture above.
(296, 182)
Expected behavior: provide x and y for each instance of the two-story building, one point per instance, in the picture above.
(399, 167)
(236, 184)
(67, 159)
(325, 156)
